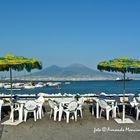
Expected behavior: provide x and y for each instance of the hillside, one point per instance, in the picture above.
(73, 71)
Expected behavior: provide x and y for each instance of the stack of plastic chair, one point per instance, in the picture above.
(107, 108)
(14, 107)
(71, 109)
(54, 109)
(80, 104)
(30, 107)
(40, 102)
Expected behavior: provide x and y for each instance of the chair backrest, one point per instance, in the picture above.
(81, 101)
(124, 99)
(103, 104)
(130, 98)
(52, 104)
(137, 107)
(30, 105)
(1, 102)
(72, 106)
(40, 99)
(137, 99)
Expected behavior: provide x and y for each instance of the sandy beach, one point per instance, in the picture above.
(87, 128)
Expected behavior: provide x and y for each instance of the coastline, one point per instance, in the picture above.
(38, 78)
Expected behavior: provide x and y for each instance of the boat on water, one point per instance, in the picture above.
(1, 85)
(40, 85)
(67, 83)
(19, 86)
(14, 89)
(58, 88)
(29, 86)
(122, 79)
(15, 86)
(53, 83)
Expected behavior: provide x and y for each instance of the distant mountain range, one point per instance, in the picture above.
(73, 71)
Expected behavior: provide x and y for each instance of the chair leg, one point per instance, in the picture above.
(118, 111)
(55, 115)
(67, 117)
(25, 116)
(51, 113)
(60, 114)
(12, 115)
(42, 112)
(81, 113)
(114, 112)
(0, 113)
(137, 115)
(39, 113)
(92, 110)
(35, 115)
(75, 115)
(130, 112)
(107, 114)
(101, 112)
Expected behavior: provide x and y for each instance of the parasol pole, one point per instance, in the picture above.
(124, 83)
(11, 81)
(123, 117)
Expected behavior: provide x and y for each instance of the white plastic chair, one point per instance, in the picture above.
(80, 104)
(107, 108)
(133, 103)
(116, 110)
(54, 109)
(71, 108)
(30, 106)
(137, 111)
(1, 103)
(14, 107)
(40, 102)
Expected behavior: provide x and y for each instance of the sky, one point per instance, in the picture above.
(64, 32)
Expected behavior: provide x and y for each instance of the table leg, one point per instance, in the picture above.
(21, 112)
(60, 112)
(123, 115)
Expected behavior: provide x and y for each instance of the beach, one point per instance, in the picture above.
(87, 128)
(67, 56)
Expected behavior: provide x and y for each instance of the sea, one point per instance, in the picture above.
(84, 87)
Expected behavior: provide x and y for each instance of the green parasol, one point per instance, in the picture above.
(123, 65)
(18, 63)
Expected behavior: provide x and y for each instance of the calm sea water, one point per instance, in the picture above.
(82, 87)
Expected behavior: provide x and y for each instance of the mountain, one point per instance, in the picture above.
(73, 71)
